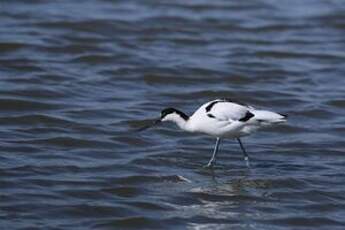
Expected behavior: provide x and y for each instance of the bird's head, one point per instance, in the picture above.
(171, 114)
(168, 114)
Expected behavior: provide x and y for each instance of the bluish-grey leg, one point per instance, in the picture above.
(246, 157)
(213, 158)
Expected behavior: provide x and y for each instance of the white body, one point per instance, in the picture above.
(225, 119)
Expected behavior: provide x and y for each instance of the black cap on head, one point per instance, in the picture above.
(168, 111)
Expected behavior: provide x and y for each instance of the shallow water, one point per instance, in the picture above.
(77, 77)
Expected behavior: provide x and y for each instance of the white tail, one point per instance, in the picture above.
(267, 117)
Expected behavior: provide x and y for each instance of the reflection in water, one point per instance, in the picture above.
(227, 199)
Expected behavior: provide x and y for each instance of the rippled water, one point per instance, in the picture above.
(77, 76)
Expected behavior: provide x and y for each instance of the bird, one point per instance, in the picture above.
(222, 118)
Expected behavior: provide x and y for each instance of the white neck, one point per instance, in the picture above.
(179, 121)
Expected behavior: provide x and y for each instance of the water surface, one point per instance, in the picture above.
(76, 77)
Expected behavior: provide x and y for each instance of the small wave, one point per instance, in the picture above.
(337, 103)
(10, 46)
(130, 222)
(37, 119)
(88, 211)
(93, 59)
(124, 191)
(25, 105)
(150, 179)
(145, 205)
(67, 142)
(316, 222)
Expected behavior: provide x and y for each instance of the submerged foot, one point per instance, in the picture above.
(210, 164)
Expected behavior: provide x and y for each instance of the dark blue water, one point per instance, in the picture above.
(77, 76)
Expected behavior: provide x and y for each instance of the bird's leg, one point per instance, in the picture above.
(246, 157)
(213, 158)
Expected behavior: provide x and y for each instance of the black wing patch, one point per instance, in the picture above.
(246, 117)
(210, 115)
(209, 107)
